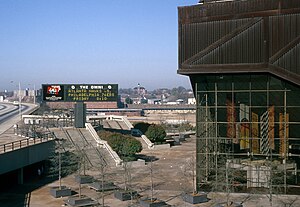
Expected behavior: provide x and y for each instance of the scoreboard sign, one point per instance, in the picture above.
(80, 92)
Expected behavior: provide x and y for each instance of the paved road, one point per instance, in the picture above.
(8, 110)
(9, 114)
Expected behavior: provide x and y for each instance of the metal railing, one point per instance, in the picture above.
(8, 147)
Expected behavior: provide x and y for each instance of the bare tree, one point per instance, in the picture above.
(189, 174)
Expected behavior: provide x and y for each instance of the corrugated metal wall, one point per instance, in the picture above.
(197, 36)
(290, 60)
(283, 29)
(274, 37)
(197, 13)
(246, 47)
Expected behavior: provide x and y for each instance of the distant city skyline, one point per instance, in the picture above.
(77, 41)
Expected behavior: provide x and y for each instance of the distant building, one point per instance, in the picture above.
(154, 101)
(140, 90)
(191, 101)
(177, 102)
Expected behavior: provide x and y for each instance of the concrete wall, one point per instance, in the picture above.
(89, 105)
(25, 156)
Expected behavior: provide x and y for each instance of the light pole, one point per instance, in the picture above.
(20, 105)
(34, 93)
(19, 96)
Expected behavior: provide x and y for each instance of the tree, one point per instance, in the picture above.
(156, 133)
(128, 100)
(189, 173)
(131, 146)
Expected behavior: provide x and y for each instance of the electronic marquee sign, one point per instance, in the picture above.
(80, 92)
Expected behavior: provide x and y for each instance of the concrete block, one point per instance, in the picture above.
(84, 179)
(195, 198)
(58, 192)
(125, 195)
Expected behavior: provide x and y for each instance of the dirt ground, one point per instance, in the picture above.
(168, 179)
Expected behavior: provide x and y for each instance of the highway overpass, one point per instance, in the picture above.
(17, 152)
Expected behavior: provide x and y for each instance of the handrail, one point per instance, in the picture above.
(148, 142)
(104, 144)
(127, 122)
(22, 143)
(112, 117)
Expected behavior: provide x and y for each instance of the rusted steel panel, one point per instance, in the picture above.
(283, 30)
(236, 9)
(223, 33)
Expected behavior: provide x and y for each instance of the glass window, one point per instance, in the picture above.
(224, 82)
(292, 87)
(222, 130)
(223, 98)
(210, 83)
(293, 98)
(294, 131)
(294, 113)
(276, 83)
(276, 98)
(206, 97)
(259, 99)
(242, 98)
(241, 82)
(259, 82)
(200, 82)
(222, 114)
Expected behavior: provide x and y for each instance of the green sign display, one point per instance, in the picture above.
(80, 92)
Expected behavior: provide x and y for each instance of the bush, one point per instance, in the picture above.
(179, 127)
(142, 126)
(156, 133)
(131, 146)
(123, 145)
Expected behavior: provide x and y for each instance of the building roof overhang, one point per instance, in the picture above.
(241, 69)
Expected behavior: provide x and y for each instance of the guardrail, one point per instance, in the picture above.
(8, 147)
(103, 144)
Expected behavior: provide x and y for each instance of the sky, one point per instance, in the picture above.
(90, 41)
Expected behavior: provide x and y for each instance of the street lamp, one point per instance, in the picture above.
(19, 94)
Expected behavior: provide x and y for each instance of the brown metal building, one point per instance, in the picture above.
(243, 60)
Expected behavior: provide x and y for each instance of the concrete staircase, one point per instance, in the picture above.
(83, 142)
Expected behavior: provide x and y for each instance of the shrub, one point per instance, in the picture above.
(156, 133)
(131, 146)
(123, 145)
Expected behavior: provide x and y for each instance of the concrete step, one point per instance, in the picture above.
(85, 141)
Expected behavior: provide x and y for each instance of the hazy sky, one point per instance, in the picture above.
(90, 41)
